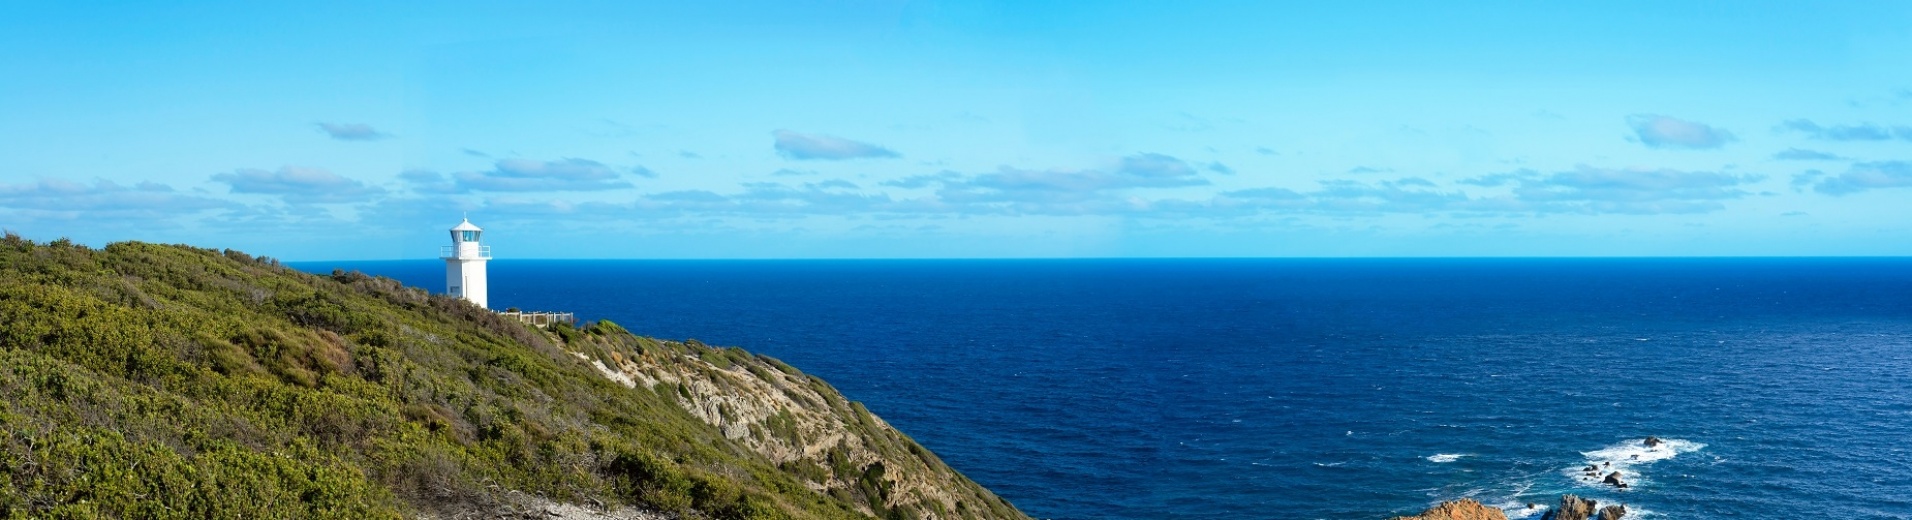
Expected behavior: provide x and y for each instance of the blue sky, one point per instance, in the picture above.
(336, 130)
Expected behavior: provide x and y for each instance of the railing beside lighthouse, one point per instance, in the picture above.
(541, 318)
(452, 252)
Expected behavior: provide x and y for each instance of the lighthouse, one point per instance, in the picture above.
(465, 263)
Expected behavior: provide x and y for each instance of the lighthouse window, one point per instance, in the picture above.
(469, 236)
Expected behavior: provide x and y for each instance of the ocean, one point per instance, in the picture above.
(1324, 388)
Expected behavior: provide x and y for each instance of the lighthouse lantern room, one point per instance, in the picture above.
(465, 263)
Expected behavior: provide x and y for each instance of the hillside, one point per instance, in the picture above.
(150, 381)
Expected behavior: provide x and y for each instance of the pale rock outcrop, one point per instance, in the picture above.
(1571, 508)
(799, 421)
(1463, 509)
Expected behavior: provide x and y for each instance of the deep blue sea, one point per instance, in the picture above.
(1330, 388)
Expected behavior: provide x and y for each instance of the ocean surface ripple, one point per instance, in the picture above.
(1344, 388)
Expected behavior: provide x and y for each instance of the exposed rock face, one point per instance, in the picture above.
(1463, 509)
(1614, 479)
(801, 422)
(1613, 512)
(1571, 508)
(1653, 441)
(519, 505)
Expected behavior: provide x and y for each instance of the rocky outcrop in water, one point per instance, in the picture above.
(1463, 509)
(1571, 508)
(1615, 480)
(1652, 442)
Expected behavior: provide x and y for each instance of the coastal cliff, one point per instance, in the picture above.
(797, 421)
(150, 381)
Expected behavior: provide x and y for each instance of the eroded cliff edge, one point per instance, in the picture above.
(797, 421)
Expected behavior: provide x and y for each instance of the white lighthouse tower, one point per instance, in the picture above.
(465, 264)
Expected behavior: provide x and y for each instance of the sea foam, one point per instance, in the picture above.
(1514, 509)
(1627, 457)
(1635, 451)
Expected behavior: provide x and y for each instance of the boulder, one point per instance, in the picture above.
(1571, 508)
(1614, 478)
(1652, 441)
(1612, 512)
(1463, 509)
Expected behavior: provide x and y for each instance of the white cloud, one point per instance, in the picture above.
(53, 199)
(1799, 154)
(524, 175)
(298, 185)
(1860, 177)
(1859, 132)
(351, 131)
(796, 145)
(1660, 131)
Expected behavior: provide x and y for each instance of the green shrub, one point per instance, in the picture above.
(149, 381)
(606, 328)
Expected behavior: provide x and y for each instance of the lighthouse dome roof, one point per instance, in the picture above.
(466, 226)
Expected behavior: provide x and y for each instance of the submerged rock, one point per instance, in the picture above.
(1463, 509)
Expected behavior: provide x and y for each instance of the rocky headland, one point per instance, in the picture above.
(172, 382)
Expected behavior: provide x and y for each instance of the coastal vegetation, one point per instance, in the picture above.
(155, 381)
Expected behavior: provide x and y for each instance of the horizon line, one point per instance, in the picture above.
(1019, 258)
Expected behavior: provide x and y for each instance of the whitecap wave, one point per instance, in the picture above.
(1635, 451)
(1516, 510)
(1628, 458)
(1445, 457)
(1520, 510)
